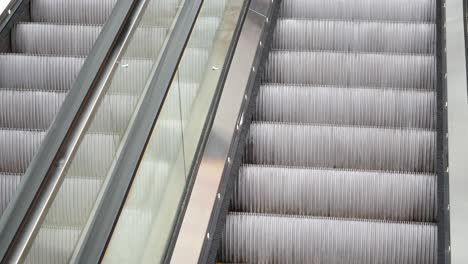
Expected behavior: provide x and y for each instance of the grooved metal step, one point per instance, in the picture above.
(257, 238)
(45, 73)
(89, 12)
(346, 147)
(377, 10)
(358, 106)
(349, 35)
(339, 163)
(336, 193)
(351, 69)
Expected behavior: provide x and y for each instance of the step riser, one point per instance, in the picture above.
(346, 106)
(379, 10)
(354, 36)
(348, 69)
(270, 239)
(341, 147)
(335, 193)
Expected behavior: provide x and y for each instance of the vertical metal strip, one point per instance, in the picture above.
(443, 223)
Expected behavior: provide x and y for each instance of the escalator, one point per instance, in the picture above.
(340, 160)
(46, 46)
(44, 54)
(45, 58)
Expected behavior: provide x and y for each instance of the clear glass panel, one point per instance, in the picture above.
(72, 210)
(145, 224)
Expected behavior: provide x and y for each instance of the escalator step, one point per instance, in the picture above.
(53, 245)
(54, 39)
(365, 36)
(17, 147)
(94, 155)
(365, 148)
(379, 10)
(38, 72)
(72, 11)
(74, 202)
(336, 193)
(29, 109)
(255, 238)
(347, 106)
(351, 69)
(8, 185)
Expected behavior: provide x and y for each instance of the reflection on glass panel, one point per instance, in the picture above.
(72, 210)
(145, 224)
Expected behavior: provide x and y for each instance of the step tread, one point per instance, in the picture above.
(336, 193)
(255, 238)
(351, 69)
(359, 36)
(355, 106)
(331, 146)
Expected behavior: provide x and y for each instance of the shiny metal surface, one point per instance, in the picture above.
(205, 196)
(458, 130)
(55, 176)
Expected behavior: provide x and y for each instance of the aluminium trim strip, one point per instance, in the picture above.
(204, 206)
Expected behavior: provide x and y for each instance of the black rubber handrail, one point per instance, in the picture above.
(35, 192)
(127, 164)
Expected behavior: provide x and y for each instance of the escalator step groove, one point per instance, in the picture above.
(346, 106)
(339, 163)
(89, 12)
(29, 109)
(336, 193)
(366, 148)
(18, 148)
(258, 238)
(365, 36)
(378, 10)
(39, 72)
(351, 69)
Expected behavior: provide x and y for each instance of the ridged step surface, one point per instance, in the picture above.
(374, 10)
(354, 36)
(257, 238)
(338, 193)
(339, 163)
(349, 147)
(359, 106)
(351, 69)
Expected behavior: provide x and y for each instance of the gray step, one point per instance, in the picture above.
(54, 39)
(357, 148)
(94, 155)
(380, 10)
(53, 245)
(72, 11)
(28, 109)
(17, 148)
(78, 40)
(38, 72)
(253, 238)
(336, 193)
(351, 69)
(8, 185)
(346, 106)
(161, 13)
(113, 114)
(74, 202)
(365, 36)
